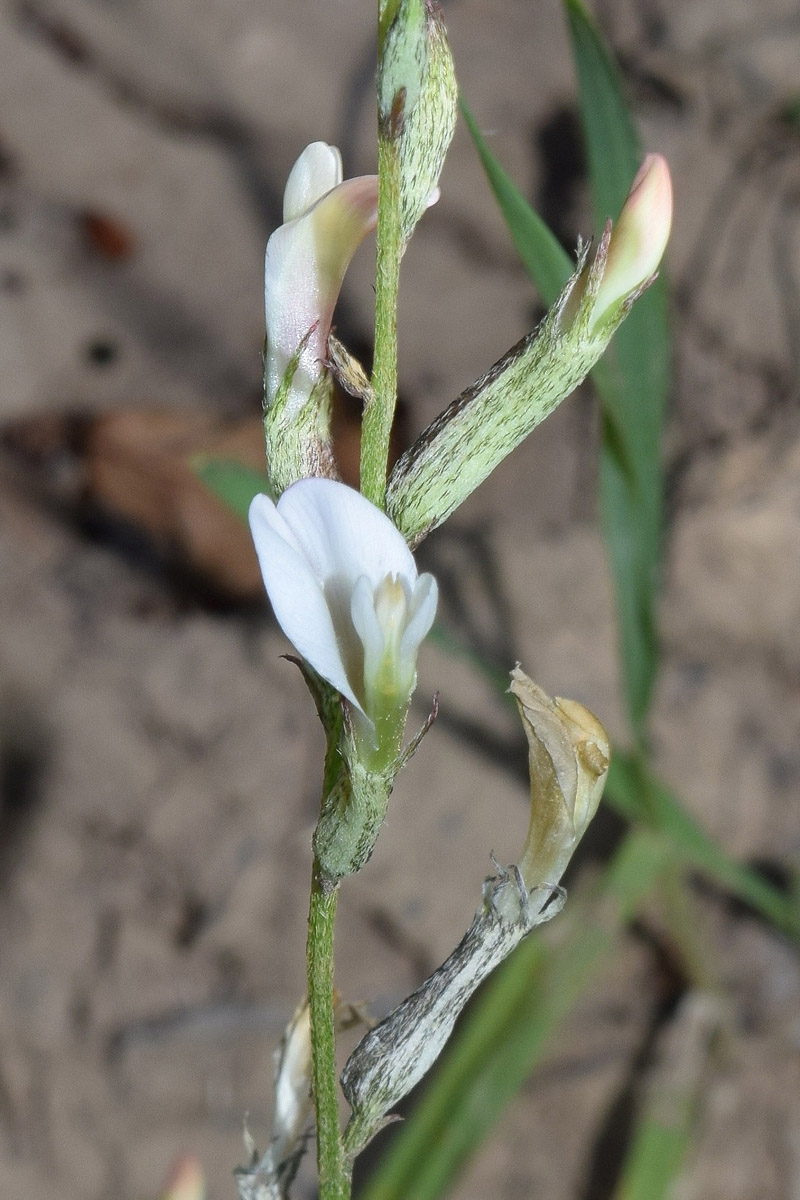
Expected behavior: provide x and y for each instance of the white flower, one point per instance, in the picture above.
(345, 590)
(325, 221)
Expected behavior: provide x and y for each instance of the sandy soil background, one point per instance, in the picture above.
(160, 762)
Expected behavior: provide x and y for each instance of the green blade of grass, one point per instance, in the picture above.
(507, 1031)
(633, 379)
(231, 482)
(638, 796)
(655, 1160)
(639, 363)
(663, 1133)
(612, 144)
(543, 256)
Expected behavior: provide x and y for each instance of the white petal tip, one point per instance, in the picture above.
(317, 170)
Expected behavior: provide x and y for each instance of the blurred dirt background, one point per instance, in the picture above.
(159, 761)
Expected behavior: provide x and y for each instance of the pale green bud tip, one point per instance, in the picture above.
(640, 236)
(186, 1180)
(417, 104)
(569, 756)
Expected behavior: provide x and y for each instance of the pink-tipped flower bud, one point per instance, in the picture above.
(186, 1181)
(640, 236)
(325, 221)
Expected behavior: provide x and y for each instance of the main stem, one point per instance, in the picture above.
(334, 1175)
(379, 413)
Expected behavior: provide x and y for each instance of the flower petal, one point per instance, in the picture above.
(317, 170)
(292, 307)
(305, 264)
(366, 623)
(296, 595)
(422, 611)
(343, 535)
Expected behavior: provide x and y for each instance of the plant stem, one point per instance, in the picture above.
(334, 1178)
(379, 413)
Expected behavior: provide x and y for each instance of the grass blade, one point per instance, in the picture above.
(504, 1036)
(612, 144)
(655, 1160)
(631, 483)
(543, 256)
(638, 796)
(231, 482)
(664, 1132)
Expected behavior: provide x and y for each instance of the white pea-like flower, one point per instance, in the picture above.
(345, 590)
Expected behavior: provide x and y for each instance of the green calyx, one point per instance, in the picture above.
(297, 430)
(351, 818)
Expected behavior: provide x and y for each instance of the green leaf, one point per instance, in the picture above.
(232, 482)
(638, 796)
(543, 256)
(633, 379)
(612, 143)
(631, 479)
(504, 1036)
(655, 1160)
(663, 1132)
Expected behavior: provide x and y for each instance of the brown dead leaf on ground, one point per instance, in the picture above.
(135, 466)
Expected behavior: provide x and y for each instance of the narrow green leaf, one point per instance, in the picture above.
(638, 362)
(630, 468)
(543, 256)
(655, 1161)
(506, 1033)
(663, 1132)
(612, 143)
(638, 796)
(232, 482)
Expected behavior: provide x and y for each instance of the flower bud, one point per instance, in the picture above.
(481, 427)
(293, 1105)
(568, 757)
(639, 238)
(325, 221)
(417, 103)
(269, 1176)
(186, 1181)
